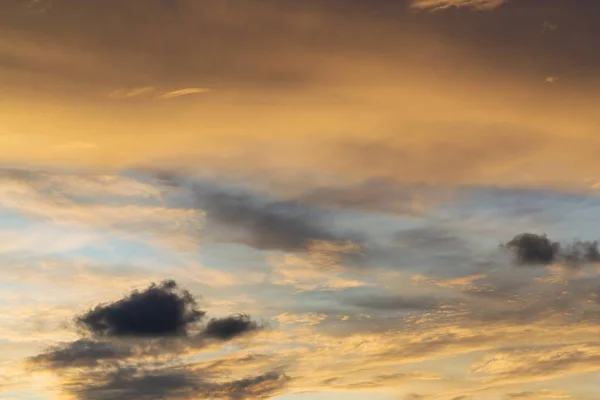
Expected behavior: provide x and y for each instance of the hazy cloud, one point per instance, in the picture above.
(81, 353)
(530, 248)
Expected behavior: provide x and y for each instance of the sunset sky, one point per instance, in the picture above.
(299, 199)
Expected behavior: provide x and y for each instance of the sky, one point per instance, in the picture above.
(299, 199)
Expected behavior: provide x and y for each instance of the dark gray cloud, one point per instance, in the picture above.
(530, 248)
(230, 327)
(236, 214)
(536, 249)
(158, 311)
(581, 252)
(175, 383)
(80, 353)
(276, 225)
(153, 323)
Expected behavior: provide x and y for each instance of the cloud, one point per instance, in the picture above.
(378, 195)
(394, 303)
(437, 5)
(548, 27)
(176, 383)
(530, 248)
(538, 395)
(83, 353)
(229, 327)
(535, 249)
(129, 93)
(538, 362)
(147, 90)
(123, 206)
(320, 268)
(273, 226)
(262, 222)
(154, 318)
(182, 92)
(158, 311)
(129, 383)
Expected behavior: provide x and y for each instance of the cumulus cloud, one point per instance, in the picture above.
(229, 327)
(535, 249)
(160, 310)
(531, 248)
(156, 323)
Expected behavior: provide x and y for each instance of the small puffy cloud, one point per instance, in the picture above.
(129, 93)
(530, 248)
(230, 327)
(160, 310)
(260, 221)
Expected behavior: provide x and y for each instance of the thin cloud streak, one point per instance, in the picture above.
(183, 92)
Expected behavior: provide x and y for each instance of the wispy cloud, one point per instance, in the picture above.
(130, 93)
(437, 5)
(183, 92)
(153, 92)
